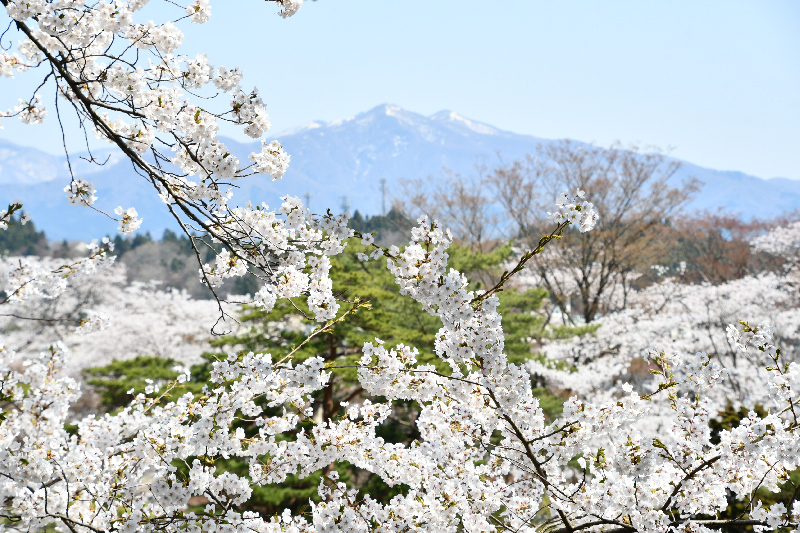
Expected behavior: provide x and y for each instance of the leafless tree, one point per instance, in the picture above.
(633, 194)
(716, 247)
(465, 205)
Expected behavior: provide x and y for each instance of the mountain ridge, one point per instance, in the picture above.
(331, 160)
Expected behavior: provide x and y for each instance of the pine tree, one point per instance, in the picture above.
(372, 306)
(20, 239)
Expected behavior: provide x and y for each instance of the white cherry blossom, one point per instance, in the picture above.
(487, 458)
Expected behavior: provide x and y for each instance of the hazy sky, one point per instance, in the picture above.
(717, 81)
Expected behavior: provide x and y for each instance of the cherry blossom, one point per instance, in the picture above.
(457, 476)
(575, 209)
(5, 214)
(126, 79)
(129, 221)
(80, 192)
(487, 458)
(101, 317)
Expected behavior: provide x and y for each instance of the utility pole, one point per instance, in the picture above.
(383, 195)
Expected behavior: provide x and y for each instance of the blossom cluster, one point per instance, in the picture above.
(94, 321)
(128, 81)
(80, 192)
(9, 63)
(784, 380)
(102, 317)
(783, 241)
(575, 209)
(272, 160)
(6, 214)
(31, 112)
(689, 319)
(486, 459)
(130, 220)
(32, 279)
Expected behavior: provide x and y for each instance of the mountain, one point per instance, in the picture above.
(333, 160)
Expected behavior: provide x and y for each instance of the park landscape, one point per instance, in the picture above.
(559, 337)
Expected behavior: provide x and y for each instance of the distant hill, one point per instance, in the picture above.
(331, 160)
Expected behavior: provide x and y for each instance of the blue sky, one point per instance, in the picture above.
(718, 82)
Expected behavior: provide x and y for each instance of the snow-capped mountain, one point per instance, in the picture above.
(333, 160)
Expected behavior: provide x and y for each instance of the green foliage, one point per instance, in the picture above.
(393, 319)
(391, 228)
(20, 240)
(113, 381)
(126, 244)
(551, 404)
(480, 267)
(521, 324)
(466, 260)
(182, 241)
(563, 331)
(392, 221)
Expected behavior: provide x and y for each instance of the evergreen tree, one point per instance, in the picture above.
(20, 239)
(123, 244)
(392, 225)
(371, 306)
